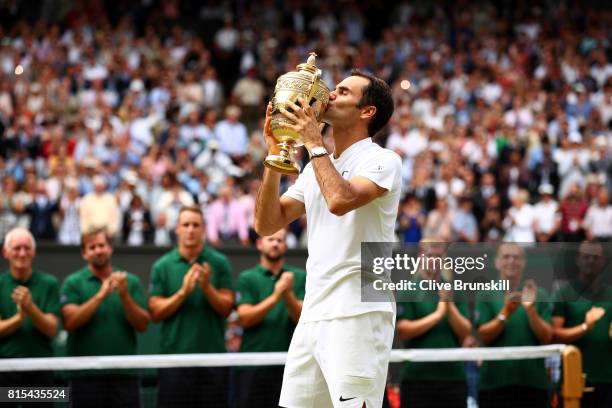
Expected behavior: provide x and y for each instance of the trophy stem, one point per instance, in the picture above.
(282, 162)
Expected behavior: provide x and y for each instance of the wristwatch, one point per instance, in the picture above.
(317, 151)
(502, 317)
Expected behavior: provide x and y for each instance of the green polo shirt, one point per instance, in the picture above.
(517, 332)
(27, 340)
(195, 327)
(572, 301)
(439, 336)
(108, 332)
(274, 332)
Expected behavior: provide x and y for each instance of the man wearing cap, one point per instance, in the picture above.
(582, 315)
(269, 303)
(29, 309)
(103, 308)
(191, 294)
(547, 220)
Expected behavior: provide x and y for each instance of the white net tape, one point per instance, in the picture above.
(263, 359)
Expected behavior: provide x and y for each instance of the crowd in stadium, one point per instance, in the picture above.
(502, 118)
(122, 115)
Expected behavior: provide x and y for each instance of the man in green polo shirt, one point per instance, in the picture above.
(191, 294)
(103, 308)
(29, 309)
(433, 320)
(520, 317)
(582, 315)
(269, 302)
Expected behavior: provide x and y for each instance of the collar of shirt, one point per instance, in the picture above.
(353, 149)
(269, 273)
(27, 282)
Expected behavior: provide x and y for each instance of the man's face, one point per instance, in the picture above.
(190, 229)
(20, 252)
(590, 261)
(434, 253)
(97, 251)
(344, 99)
(510, 261)
(273, 247)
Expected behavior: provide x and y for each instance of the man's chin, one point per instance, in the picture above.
(274, 257)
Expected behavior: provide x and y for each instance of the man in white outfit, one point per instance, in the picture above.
(339, 352)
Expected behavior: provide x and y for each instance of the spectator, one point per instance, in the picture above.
(491, 224)
(137, 225)
(598, 219)
(519, 221)
(227, 219)
(126, 89)
(191, 294)
(69, 208)
(247, 202)
(100, 209)
(232, 134)
(546, 216)
(217, 165)
(41, 211)
(213, 90)
(29, 311)
(101, 302)
(172, 199)
(429, 319)
(439, 222)
(572, 160)
(573, 209)
(249, 93)
(520, 317)
(269, 302)
(11, 209)
(465, 226)
(411, 219)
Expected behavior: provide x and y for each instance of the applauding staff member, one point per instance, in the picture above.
(582, 315)
(520, 317)
(29, 306)
(103, 308)
(433, 320)
(191, 294)
(269, 298)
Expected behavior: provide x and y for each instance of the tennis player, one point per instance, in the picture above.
(339, 352)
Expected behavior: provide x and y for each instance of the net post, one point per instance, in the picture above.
(573, 380)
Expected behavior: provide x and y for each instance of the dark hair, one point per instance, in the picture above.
(377, 93)
(87, 235)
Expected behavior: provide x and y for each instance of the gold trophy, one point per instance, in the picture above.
(306, 83)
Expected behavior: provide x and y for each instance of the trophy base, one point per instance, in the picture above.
(281, 164)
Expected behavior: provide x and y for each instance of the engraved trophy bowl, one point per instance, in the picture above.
(306, 83)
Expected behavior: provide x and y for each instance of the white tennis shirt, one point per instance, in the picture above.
(333, 280)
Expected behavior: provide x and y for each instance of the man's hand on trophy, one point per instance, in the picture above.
(305, 123)
(271, 142)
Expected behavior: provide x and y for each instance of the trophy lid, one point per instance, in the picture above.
(309, 65)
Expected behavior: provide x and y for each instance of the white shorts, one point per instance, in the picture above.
(339, 363)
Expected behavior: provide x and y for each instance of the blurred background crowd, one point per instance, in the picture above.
(119, 113)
